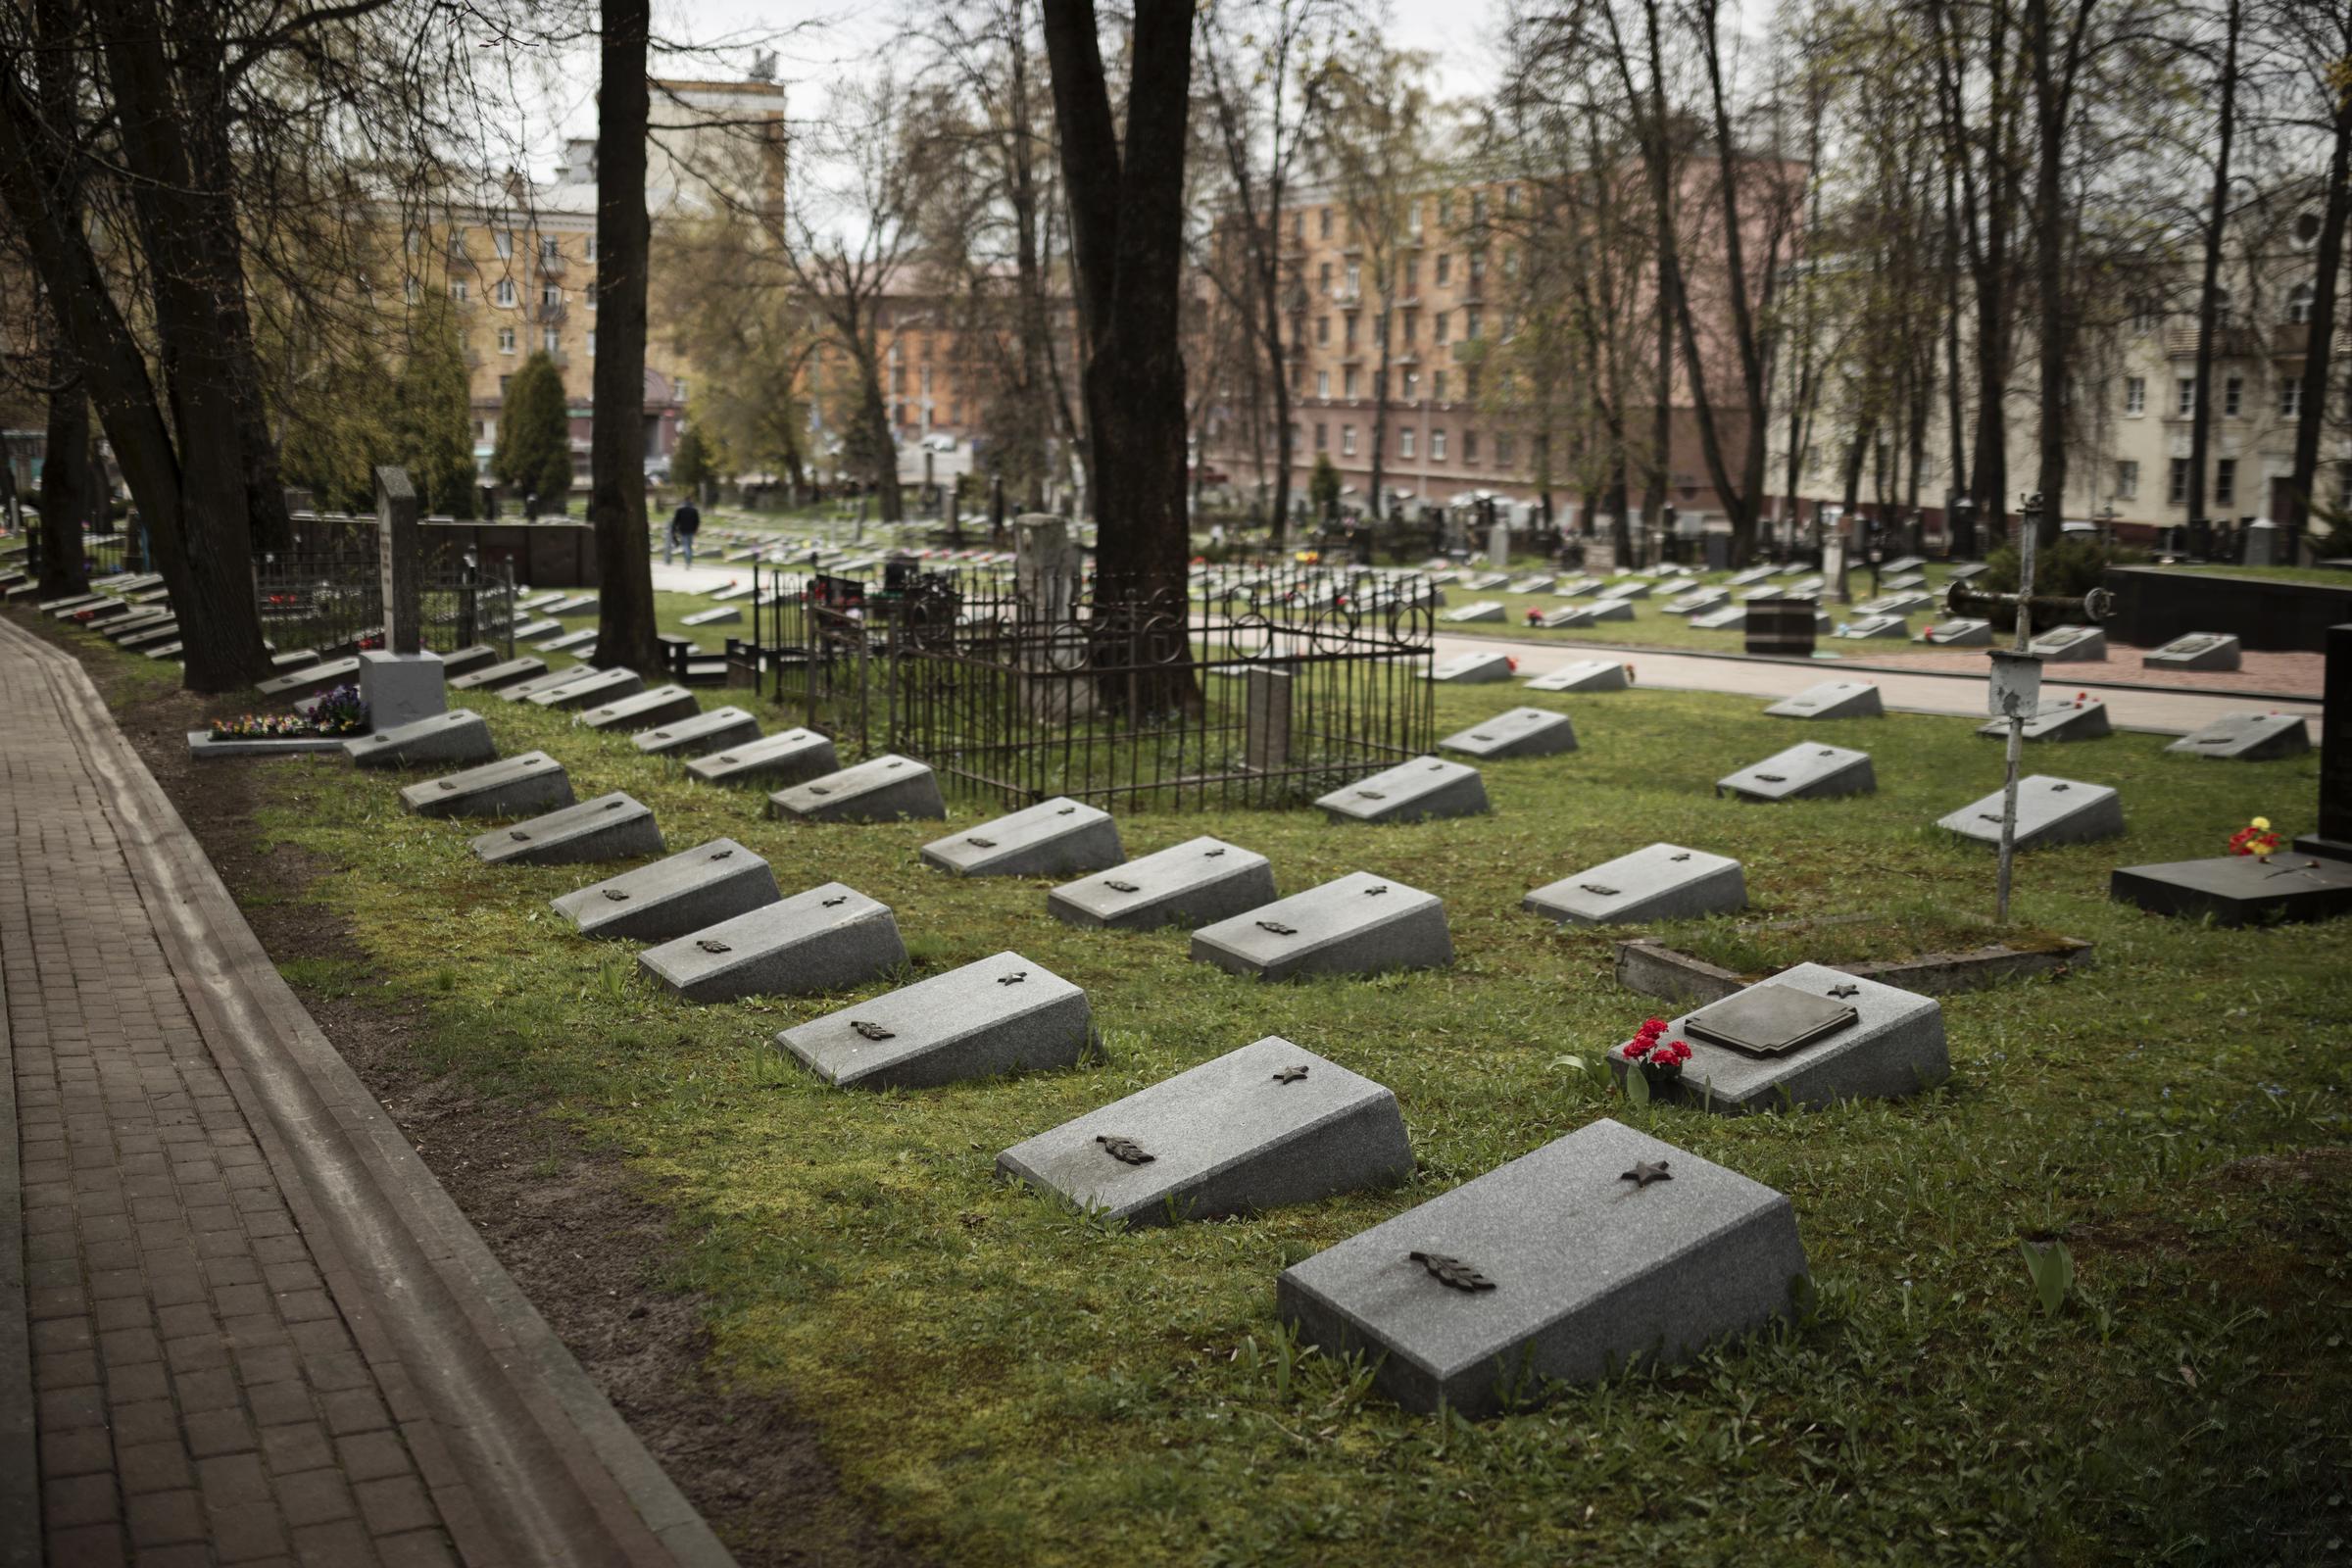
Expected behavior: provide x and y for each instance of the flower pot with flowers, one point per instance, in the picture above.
(1659, 1059)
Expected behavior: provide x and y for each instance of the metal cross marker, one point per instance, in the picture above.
(871, 1031)
(1452, 1272)
(1647, 1171)
(1290, 1075)
(1126, 1150)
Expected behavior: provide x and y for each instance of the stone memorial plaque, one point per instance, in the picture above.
(2235, 890)
(610, 827)
(170, 650)
(1060, 837)
(1576, 587)
(1410, 792)
(1864, 627)
(1486, 609)
(1962, 633)
(531, 782)
(699, 734)
(94, 613)
(1539, 584)
(723, 615)
(496, 677)
(2049, 811)
(1472, 670)
(1802, 773)
(2082, 719)
(1903, 563)
(2204, 650)
(570, 642)
(1591, 613)
(1356, 924)
(675, 896)
(1003, 1014)
(1187, 885)
(465, 660)
(1731, 618)
(454, 737)
(660, 704)
(524, 690)
(1832, 699)
(1627, 589)
(1517, 732)
(2069, 645)
(828, 937)
(298, 659)
(68, 602)
(2248, 738)
(883, 789)
(1905, 581)
(139, 620)
(1967, 571)
(539, 601)
(589, 688)
(1785, 1055)
(1484, 582)
(1259, 1128)
(1585, 675)
(309, 680)
(1557, 1268)
(786, 758)
(572, 604)
(1893, 604)
(1659, 882)
(1693, 603)
(543, 628)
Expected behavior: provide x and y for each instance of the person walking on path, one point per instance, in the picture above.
(684, 524)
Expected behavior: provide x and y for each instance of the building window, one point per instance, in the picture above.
(1503, 451)
(1445, 268)
(1348, 332)
(550, 250)
(1412, 326)
(2234, 396)
(457, 290)
(457, 243)
(1510, 264)
(2127, 482)
(2298, 305)
(1355, 277)
(1346, 440)
(549, 296)
(592, 345)
(1298, 226)
(1412, 220)
(1437, 446)
(1510, 204)
(1322, 329)
(506, 340)
(588, 248)
(1412, 385)
(1348, 381)
(2290, 400)
(1323, 278)
(504, 294)
(677, 389)
(1322, 383)
(504, 240)
(548, 339)
(1469, 446)
(1412, 272)
(2135, 394)
(1470, 324)
(1322, 436)
(2178, 492)
(1404, 443)
(1445, 215)
(1478, 267)
(1437, 388)
(2225, 483)
(410, 290)
(1439, 328)
(2184, 396)
(1323, 223)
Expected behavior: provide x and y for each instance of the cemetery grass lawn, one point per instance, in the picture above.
(1002, 1381)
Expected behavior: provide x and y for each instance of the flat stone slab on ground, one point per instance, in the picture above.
(828, 937)
(571, 605)
(1832, 699)
(2235, 890)
(1658, 882)
(785, 757)
(523, 691)
(309, 680)
(443, 740)
(610, 827)
(1731, 618)
(585, 637)
(2200, 650)
(1515, 732)
(591, 688)
(2058, 720)
(723, 615)
(1892, 1046)
(1585, 675)
(204, 744)
(531, 782)
(497, 676)
(1060, 837)
(698, 734)
(2068, 645)
(2049, 811)
(1863, 628)
(1629, 589)
(1486, 609)
(675, 896)
(1002, 1014)
(1698, 603)
(1559, 1267)
(465, 660)
(1472, 670)
(1961, 633)
(1894, 604)
(1353, 926)
(658, 704)
(1256, 1129)
(1410, 792)
(1189, 884)
(1902, 580)
(542, 628)
(1803, 772)
(2248, 738)
(881, 789)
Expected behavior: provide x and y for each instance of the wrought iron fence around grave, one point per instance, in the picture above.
(333, 602)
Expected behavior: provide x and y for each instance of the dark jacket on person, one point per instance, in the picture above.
(686, 519)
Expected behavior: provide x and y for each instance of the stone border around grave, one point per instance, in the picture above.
(1650, 967)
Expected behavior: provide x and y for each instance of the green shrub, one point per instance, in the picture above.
(2069, 568)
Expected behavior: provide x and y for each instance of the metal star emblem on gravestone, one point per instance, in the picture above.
(872, 1031)
(713, 945)
(820, 789)
(1452, 1272)
(1770, 1020)
(1066, 810)
(1599, 890)
(1013, 979)
(1376, 890)
(518, 835)
(1372, 795)
(1124, 1150)
(1210, 854)
(1290, 1075)
(1684, 855)
(722, 855)
(837, 898)
(617, 895)
(1647, 1171)
(1774, 779)
(1117, 886)
(978, 842)
(1842, 992)
(1278, 928)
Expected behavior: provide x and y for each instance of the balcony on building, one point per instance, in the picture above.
(550, 314)
(2228, 342)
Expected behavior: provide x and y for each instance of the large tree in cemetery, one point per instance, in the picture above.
(434, 413)
(727, 304)
(1126, 199)
(625, 634)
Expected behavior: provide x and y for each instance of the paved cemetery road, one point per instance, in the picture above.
(239, 1320)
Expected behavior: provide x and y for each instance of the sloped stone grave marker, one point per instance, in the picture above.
(1832, 699)
(828, 937)
(1960, 633)
(2049, 811)
(531, 782)
(675, 896)
(523, 691)
(1516, 733)
(2082, 719)
(1559, 1267)
(658, 704)
(699, 734)
(591, 688)
(542, 627)
(584, 638)
(1268, 1125)
(1353, 926)
(1902, 563)
(1410, 792)
(444, 739)
(2068, 645)
(1536, 584)
(465, 660)
(1004, 1014)
(2201, 650)
(881, 789)
(1863, 628)
(572, 604)
(610, 827)
(497, 676)
(1802, 774)
(2248, 738)
(1189, 884)
(309, 680)
(1731, 618)
(1590, 613)
(1060, 837)
(1627, 589)
(1696, 601)
(785, 757)
(1585, 675)
(1905, 581)
(721, 615)
(1485, 610)
(1657, 882)
(1472, 670)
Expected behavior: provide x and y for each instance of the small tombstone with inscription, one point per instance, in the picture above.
(1627, 589)
(1409, 792)
(1698, 601)
(571, 605)
(1731, 618)
(1893, 604)
(444, 739)
(720, 615)
(570, 642)
(882, 789)
(1832, 699)
(1189, 884)
(1585, 675)
(1866, 628)
(497, 676)
(1960, 633)
(659, 705)
(592, 688)
(2081, 717)
(828, 937)
(465, 660)
(2049, 811)
(1004, 1014)
(610, 827)
(2248, 738)
(785, 757)
(531, 782)
(1518, 732)
(2201, 650)
(698, 735)
(1058, 837)
(311, 680)
(673, 897)
(1660, 882)
(1472, 670)
(1484, 609)
(1354, 925)
(2235, 890)
(2071, 645)
(523, 691)
(1802, 774)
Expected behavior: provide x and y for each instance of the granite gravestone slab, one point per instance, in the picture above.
(309, 680)
(1904, 580)
(531, 782)
(1356, 924)
(1731, 618)
(1658, 882)
(699, 735)
(1752, 576)
(658, 706)
(610, 827)
(1592, 613)
(590, 689)
(523, 691)
(572, 604)
(1585, 675)
(2248, 738)
(1576, 587)
(1808, 1037)
(170, 650)
(1559, 1267)
(723, 615)
(1517, 732)
(1967, 571)
(1903, 563)
(465, 660)
(129, 627)
(2082, 719)
(1484, 582)
(1802, 774)
(298, 659)
(68, 602)
(1960, 633)
(1536, 583)
(1003, 1014)
(1472, 670)
(1832, 699)
(673, 897)
(498, 676)
(1060, 837)
(1863, 628)
(2235, 890)
(2203, 650)
(1629, 589)
(2069, 645)
(1410, 792)
(540, 599)
(1466, 615)
(1256, 1129)
(570, 642)
(2049, 811)
(1696, 602)
(1189, 884)
(540, 628)
(883, 789)
(445, 739)
(97, 613)
(785, 757)
(828, 937)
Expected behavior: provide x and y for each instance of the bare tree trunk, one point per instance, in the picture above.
(68, 493)
(625, 633)
(2055, 67)
(2200, 425)
(2312, 416)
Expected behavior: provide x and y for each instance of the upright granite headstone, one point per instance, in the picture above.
(1356, 924)
(1189, 884)
(671, 897)
(1002, 1014)
(1410, 792)
(828, 937)
(610, 827)
(1053, 838)
(1659, 882)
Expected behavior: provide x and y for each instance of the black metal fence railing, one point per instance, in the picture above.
(332, 603)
